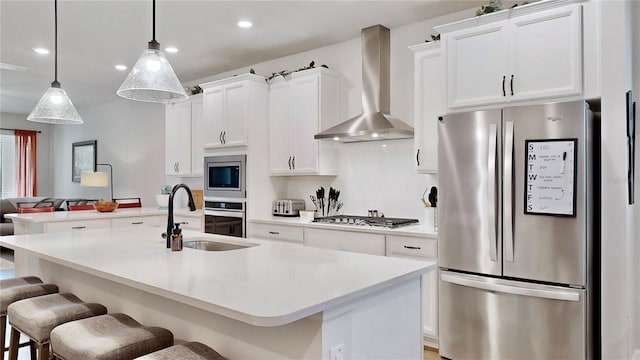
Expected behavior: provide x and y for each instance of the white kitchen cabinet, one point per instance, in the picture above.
(178, 139)
(299, 107)
(291, 234)
(184, 138)
(359, 242)
(527, 53)
(140, 220)
(429, 104)
(229, 107)
(76, 225)
(421, 249)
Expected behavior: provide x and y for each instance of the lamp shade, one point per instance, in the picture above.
(152, 79)
(55, 107)
(98, 178)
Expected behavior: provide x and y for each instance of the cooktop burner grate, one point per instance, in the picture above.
(366, 221)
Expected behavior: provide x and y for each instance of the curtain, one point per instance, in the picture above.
(25, 163)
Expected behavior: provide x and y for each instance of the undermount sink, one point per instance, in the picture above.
(209, 245)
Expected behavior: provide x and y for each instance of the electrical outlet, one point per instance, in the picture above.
(337, 353)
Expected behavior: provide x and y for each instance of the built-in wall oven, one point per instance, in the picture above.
(225, 176)
(225, 218)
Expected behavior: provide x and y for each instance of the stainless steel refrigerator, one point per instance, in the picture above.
(517, 229)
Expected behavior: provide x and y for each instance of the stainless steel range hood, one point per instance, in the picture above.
(374, 123)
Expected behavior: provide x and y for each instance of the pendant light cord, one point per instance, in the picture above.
(55, 82)
(153, 44)
(154, 20)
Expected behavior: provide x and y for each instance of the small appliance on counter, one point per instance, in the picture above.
(287, 207)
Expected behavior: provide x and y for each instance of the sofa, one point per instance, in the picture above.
(10, 206)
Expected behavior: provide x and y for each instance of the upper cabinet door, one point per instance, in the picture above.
(545, 54)
(197, 136)
(306, 110)
(477, 65)
(280, 118)
(178, 139)
(235, 117)
(213, 100)
(429, 104)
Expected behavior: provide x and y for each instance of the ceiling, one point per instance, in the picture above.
(93, 36)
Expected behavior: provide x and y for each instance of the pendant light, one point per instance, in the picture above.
(152, 78)
(54, 106)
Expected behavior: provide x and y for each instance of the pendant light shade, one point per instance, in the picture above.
(152, 78)
(54, 106)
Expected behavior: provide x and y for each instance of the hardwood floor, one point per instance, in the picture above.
(431, 353)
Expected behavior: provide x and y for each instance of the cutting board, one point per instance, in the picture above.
(197, 198)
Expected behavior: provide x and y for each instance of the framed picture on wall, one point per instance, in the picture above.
(83, 158)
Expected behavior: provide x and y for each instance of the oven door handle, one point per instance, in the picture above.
(227, 213)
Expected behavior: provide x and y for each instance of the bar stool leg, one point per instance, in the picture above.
(43, 351)
(3, 330)
(13, 344)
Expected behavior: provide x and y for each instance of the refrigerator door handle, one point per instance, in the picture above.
(507, 289)
(491, 191)
(507, 192)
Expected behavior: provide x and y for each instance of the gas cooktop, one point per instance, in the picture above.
(366, 221)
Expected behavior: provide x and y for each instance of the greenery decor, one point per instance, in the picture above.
(494, 5)
(285, 73)
(194, 89)
(433, 38)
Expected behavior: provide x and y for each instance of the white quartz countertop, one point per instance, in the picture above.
(270, 284)
(418, 230)
(57, 216)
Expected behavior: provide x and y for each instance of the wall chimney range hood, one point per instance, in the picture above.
(374, 123)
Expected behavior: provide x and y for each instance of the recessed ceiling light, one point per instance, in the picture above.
(171, 49)
(335, 138)
(245, 24)
(121, 67)
(41, 51)
(374, 135)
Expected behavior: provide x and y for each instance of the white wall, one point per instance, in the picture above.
(130, 137)
(43, 149)
(635, 210)
(617, 237)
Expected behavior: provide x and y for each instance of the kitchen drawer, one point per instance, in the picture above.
(188, 222)
(140, 220)
(76, 225)
(276, 232)
(411, 246)
(359, 242)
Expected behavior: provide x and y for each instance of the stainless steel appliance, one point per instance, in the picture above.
(379, 221)
(516, 233)
(225, 218)
(225, 176)
(287, 207)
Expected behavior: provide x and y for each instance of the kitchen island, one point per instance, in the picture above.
(267, 301)
(32, 223)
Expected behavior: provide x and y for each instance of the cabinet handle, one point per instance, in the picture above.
(137, 223)
(78, 227)
(289, 162)
(274, 232)
(504, 92)
(293, 162)
(220, 137)
(224, 137)
(511, 84)
(418, 157)
(178, 166)
(412, 247)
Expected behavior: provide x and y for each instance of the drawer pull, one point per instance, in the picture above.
(137, 223)
(274, 232)
(412, 247)
(78, 227)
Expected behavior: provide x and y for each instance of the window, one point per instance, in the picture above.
(7, 165)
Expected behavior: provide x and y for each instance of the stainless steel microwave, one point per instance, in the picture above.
(225, 176)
